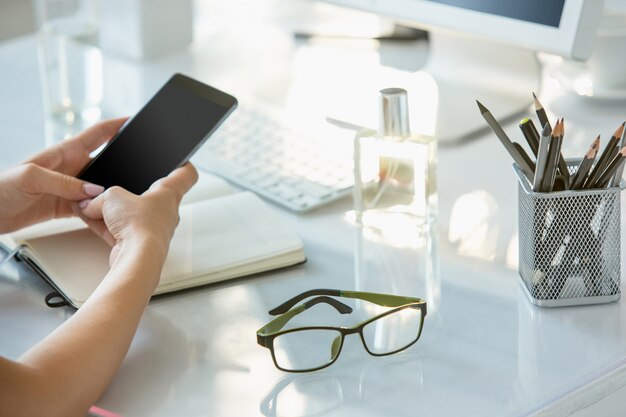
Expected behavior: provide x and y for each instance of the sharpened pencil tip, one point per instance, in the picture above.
(595, 146)
(593, 149)
(482, 108)
(538, 106)
(557, 128)
(534, 95)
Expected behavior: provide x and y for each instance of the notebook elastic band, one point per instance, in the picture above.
(54, 300)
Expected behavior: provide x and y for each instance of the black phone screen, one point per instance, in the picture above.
(161, 137)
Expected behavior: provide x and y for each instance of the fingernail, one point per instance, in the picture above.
(84, 203)
(93, 189)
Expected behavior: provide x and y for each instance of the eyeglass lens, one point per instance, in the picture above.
(314, 348)
(306, 349)
(393, 332)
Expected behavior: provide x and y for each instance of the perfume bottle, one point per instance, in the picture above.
(395, 184)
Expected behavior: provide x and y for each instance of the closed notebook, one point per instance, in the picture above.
(222, 234)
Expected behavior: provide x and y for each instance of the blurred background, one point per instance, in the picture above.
(17, 17)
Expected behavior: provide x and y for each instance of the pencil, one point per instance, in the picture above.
(617, 179)
(552, 161)
(559, 183)
(530, 134)
(542, 157)
(583, 168)
(604, 158)
(525, 156)
(562, 164)
(541, 113)
(497, 129)
(612, 154)
(608, 173)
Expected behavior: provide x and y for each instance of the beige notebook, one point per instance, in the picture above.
(222, 234)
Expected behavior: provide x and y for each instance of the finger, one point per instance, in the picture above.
(100, 229)
(180, 180)
(86, 142)
(37, 180)
(93, 208)
(98, 134)
(51, 158)
(96, 226)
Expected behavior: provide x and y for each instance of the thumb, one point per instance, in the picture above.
(37, 180)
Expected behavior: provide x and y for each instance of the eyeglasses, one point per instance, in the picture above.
(305, 349)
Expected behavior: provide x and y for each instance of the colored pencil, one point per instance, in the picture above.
(585, 165)
(608, 173)
(562, 164)
(508, 144)
(541, 113)
(617, 179)
(530, 134)
(553, 158)
(542, 157)
(604, 158)
(525, 156)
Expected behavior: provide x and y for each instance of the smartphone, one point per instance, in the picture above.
(162, 136)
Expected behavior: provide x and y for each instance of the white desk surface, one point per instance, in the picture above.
(485, 350)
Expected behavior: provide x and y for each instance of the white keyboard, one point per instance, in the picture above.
(256, 150)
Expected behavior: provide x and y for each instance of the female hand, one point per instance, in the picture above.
(45, 186)
(127, 221)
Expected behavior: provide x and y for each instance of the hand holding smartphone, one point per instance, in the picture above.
(162, 136)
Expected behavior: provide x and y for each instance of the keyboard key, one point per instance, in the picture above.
(305, 201)
(313, 190)
(284, 191)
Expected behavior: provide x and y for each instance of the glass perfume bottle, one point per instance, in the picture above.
(395, 171)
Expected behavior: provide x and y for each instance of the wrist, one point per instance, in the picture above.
(140, 246)
(138, 260)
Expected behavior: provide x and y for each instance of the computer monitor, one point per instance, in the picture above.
(564, 27)
(486, 49)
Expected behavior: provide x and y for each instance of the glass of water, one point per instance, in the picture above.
(70, 60)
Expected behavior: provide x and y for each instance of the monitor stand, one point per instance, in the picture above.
(443, 94)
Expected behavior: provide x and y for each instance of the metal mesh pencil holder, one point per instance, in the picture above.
(569, 244)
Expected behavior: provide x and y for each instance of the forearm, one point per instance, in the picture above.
(69, 370)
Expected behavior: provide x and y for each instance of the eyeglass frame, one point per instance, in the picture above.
(287, 311)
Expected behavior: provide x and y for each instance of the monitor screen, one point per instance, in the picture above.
(544, 12)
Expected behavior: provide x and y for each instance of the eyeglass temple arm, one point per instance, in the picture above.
(279, 322)
(284, 307)
(386, 300)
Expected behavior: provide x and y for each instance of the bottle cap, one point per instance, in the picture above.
(394, 112)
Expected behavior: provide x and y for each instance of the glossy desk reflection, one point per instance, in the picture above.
(321, 393)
